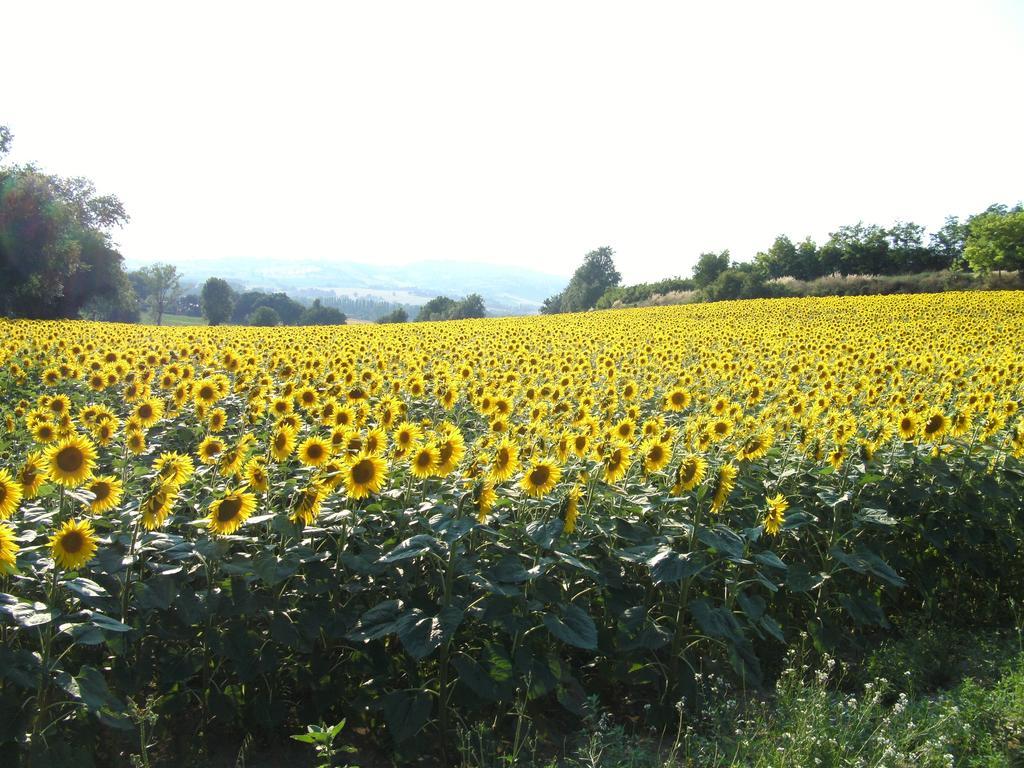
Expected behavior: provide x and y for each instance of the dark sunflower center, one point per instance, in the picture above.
(935, 423)
(503, 457)
(315, 451)
(70, 459)
(906, 425)
(101, 491)
(655, 453)
(280, 441)
(446, 452)
(363, 472)
(689, 470)
(228, 509)
(3, 493)
(146, 411)
(206, 393)
(721, 427)
(540, 475)
(72, 542)
(424, 459)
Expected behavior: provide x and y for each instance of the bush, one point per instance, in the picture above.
(263, 316)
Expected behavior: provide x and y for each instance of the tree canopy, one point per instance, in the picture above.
(56, 251)
(218, 301)
(589, 282)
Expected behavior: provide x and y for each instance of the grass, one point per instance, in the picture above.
(934, 698)
(148, 319)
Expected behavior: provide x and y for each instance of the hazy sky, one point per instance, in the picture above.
(517, 132)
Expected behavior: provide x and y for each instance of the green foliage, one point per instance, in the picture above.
(56, 254)
(444, 308)
(318, 314)
(162, 285)
(287, 309)
(263, 316)
(709, 267)
(398, 316)
(218, 301)
(634, 294)
(596, 275)
(995, 241)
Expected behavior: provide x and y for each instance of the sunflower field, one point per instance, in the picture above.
(425, 527)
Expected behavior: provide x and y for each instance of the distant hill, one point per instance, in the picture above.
(505, 289)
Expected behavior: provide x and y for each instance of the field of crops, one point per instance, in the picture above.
(421, 527)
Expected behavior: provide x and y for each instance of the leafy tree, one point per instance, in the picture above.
(56, 252)
(438, 308)
(471, 306)
(861, 249)
(552, 305)
(318, 314)
(163, 285)
(218, 300)
(995, 241)
(807, 264)
(589, 282)
(398, 316)
(709, 266)
(947, 244)
(263, 316)
(288, 310)
(780, 259)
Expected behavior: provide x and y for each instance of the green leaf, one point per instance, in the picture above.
(27, 615)
(668, 566)
(415, 546)
(475, 677)
(545, 534)
(574, 627)
(377, 622)
(420, 634)
(108, 624)
(406, 712)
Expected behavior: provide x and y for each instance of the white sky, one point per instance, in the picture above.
(517, 132)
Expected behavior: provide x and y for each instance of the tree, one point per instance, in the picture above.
(709, 266)
(471, 306)
(995, 240)
(907, 251)
(589, 282)
(438, 308)
(780, 259)
(947, 244)
(318, 314)
(860, 249)
(218, 300)
(163, 285)
(398, 316)
(289, 310)
(56, 253)
(263, 316)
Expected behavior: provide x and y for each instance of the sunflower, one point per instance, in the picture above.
(10, 494)
(776, 514)
(282, 443)
(365, 475)
(306, 504)
(174, 468)
(32, 474)
(8, 550)
(541, 478)
(505, 461)
(689, 474)
(757, 445)
(135, 440)
(837, 456)
(424, 460)
(719, 429)
(725, 481)
(157, 504)
(677, 399)
(256, 474)
(44, 432)
(908, 425)
(935, 425)
(483, 499)
(148, 412)
(70, 461)
(73, 545)
(616, 462)
(450, 452)
(406, 435)
(230, 511)
(656, 455)
(572, 508)
(106, 491)
(314, 451)
(210, 450)
(217, 420)
(376, 441)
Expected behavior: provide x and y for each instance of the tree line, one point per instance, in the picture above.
(992, 240)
